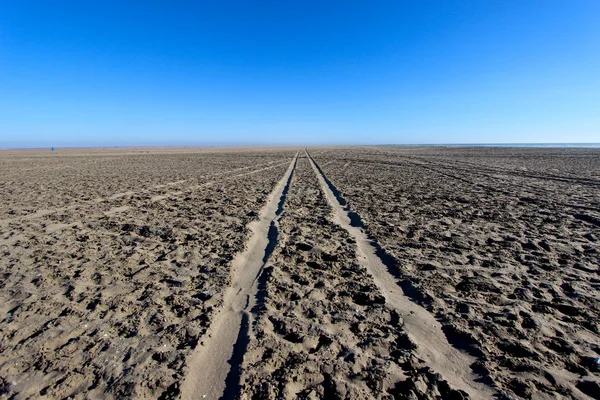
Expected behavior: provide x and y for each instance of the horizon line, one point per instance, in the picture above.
(472, 144)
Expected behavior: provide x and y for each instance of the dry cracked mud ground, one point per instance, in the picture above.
(376, 272)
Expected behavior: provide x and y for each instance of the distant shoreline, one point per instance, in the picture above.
(508, 145)
(540, 145)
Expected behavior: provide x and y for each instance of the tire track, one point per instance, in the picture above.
(214, 367)
(537, 191)
(421, 326)
(484, 168)
(44, 213)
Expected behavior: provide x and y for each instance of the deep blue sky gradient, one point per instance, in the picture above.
(116, 73)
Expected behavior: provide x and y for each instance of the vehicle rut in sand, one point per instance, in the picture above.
(214, 367)
(422, 327)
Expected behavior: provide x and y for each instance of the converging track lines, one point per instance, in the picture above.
(422, 327)
(214, 368)
(88, 203)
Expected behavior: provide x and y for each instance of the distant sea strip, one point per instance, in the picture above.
(542, 145)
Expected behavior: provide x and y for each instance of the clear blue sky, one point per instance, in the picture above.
(96, 73)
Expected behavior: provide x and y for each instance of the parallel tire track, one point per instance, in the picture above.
(493, 188)
(421, 326)
(83, 204)
(214, 368)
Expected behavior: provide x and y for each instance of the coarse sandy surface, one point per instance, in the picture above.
(280, 273)
(111, 273)
(501, 245)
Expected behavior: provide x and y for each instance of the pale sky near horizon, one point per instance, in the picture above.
(114, 73)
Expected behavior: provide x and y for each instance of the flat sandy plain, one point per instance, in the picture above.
(283, 273)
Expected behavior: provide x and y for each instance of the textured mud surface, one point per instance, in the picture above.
(108, 298)
(323, 328)
(116, 264)
(40, 182)
(501, 244)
